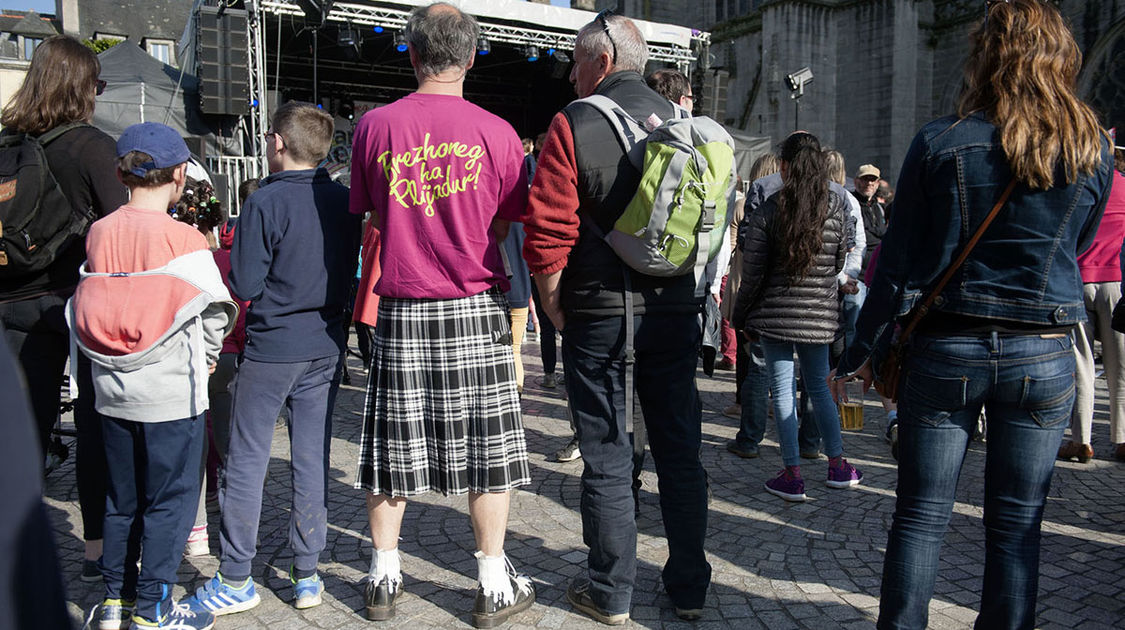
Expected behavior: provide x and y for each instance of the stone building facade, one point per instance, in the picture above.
(881, 68)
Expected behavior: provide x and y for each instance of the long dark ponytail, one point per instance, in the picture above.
(802, 206)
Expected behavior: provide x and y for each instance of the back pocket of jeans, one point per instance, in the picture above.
(1049, 400)
(931, 398)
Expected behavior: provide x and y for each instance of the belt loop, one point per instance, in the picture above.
(995, 342)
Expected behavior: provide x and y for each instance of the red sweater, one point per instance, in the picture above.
(1102, 262)
(551, 219)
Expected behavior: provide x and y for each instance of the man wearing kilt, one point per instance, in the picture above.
(583, 178)
(442, 179)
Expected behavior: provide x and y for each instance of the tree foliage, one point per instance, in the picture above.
(101, 45)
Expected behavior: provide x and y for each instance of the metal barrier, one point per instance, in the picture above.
(236, 170)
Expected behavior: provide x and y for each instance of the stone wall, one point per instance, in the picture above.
(882, 68)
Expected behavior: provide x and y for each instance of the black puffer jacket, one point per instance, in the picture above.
(769, 302)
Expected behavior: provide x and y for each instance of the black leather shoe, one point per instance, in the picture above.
(578, 594)
(490, 611)
(379, 598)
(689, 614)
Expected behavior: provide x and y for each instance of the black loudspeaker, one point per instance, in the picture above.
(222, 61)
(711, 94)
(197, 145)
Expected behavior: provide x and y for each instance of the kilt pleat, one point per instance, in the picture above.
(441, 410)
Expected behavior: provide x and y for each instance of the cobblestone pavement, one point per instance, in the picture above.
(776, 565)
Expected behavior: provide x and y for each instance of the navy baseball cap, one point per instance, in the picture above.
(161, 142)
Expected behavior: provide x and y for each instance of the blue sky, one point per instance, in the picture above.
(48, 6)
(40, 6)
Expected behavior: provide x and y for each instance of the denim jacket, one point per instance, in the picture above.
(1024, 269)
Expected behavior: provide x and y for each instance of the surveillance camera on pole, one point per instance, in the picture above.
(796, 83)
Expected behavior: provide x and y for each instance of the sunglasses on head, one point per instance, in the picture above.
(602, 18)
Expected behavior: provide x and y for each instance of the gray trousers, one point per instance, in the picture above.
(308, 390)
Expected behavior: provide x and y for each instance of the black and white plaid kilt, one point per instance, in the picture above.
(442, 412)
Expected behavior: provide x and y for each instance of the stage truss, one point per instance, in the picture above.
(393, 18)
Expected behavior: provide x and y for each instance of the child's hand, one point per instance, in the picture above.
(211, 368)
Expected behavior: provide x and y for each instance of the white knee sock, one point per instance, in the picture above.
(385, 563)
(493, 576)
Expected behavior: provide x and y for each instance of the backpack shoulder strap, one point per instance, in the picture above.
(630, 133)
(54, 134)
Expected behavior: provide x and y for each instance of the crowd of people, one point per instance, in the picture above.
(188, 334)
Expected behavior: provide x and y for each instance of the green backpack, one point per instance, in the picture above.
(675, 223)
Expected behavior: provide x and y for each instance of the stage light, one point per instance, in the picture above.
(254, 103)
(378, 29)
(400, 42)
(560, 56)
(533, 53)
(346, 36)
(483, 46)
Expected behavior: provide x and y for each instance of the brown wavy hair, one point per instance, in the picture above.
(802, 204)
(1022, 72)
(59, 87)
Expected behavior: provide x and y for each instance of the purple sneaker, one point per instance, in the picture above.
(843, 476)
(787, 485)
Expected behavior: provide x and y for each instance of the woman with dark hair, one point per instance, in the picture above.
(1000, 335)
(59, 89)
(789, 298)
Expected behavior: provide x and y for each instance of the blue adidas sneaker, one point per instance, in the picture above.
(179, 619)
(306, 591)
(221, 598)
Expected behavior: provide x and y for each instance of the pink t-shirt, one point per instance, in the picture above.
(436, 170)
(1102, 262)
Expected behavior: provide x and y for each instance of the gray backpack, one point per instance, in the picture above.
(674, 224)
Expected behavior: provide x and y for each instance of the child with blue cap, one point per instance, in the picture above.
(150, 312)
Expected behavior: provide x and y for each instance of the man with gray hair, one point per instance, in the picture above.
(583, 182)
(442, 179)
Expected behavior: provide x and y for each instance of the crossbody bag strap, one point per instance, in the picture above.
(924, 308)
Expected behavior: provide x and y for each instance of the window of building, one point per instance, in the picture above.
(9, 46)
(29, 46)
(160, 49)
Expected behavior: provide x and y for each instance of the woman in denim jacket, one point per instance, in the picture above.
(1000, 334)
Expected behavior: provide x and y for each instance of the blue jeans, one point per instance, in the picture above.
(814, 370)
(260, 389)
(754, 397)
(1026, 384)
(853, 302)
(666, 350)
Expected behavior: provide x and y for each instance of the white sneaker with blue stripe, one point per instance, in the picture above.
(221, 598)
(306, 591)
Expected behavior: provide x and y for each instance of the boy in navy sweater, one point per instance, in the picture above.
(293, 257)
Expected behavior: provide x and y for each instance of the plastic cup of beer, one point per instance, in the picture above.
(851, 411)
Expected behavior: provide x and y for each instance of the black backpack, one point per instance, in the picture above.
(37, 220)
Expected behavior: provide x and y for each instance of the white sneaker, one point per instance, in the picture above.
(197, 542)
